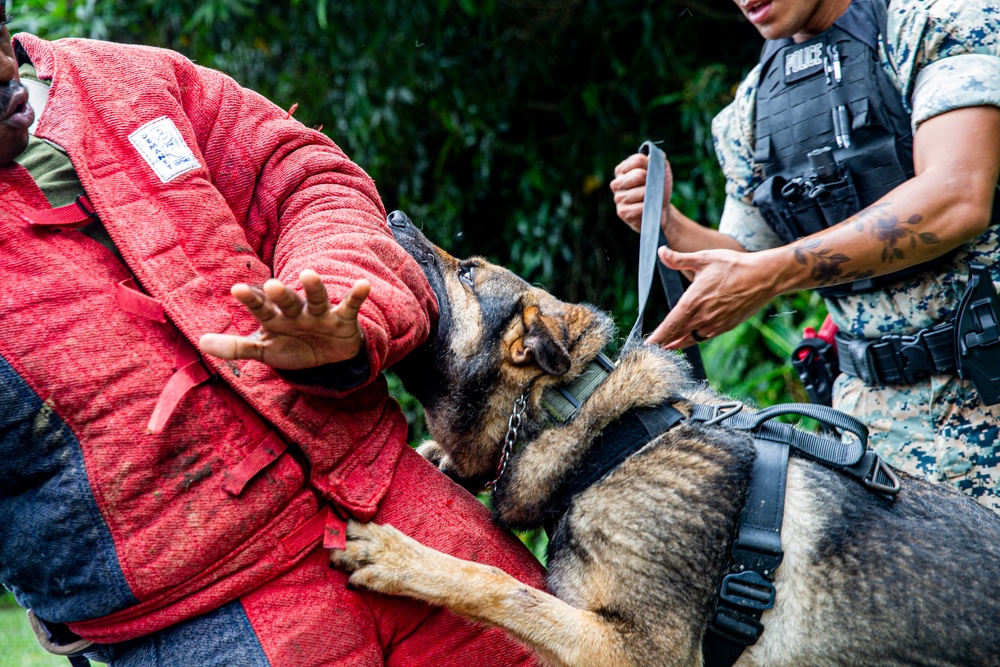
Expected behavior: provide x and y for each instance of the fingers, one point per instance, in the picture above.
(277, 298)
(668, 332)
(349, 307)
(254, 300)
(285, 298)
(317, 299)
(677, 330)
(629, 187)
(680, 261)
(634, 161)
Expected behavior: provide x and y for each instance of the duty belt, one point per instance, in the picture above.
(898, 359)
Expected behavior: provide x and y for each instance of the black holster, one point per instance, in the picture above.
(815, 362)
(977, 337)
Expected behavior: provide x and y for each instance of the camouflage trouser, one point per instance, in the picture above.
(936, 429)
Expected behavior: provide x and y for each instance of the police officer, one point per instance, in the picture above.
(861, 158)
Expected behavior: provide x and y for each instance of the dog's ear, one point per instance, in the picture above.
(544, 341)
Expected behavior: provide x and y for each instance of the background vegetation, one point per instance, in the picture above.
(495, 124)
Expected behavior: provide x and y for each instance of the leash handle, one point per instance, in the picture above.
(650, 236)
(820, 413)
(652, 210)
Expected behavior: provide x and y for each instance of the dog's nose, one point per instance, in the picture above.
(398, 219)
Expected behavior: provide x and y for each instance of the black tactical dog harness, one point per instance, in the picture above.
(746, 590)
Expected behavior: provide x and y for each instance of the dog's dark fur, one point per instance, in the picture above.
(636, 560)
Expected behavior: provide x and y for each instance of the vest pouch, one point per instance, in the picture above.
(838, 201)
(877, 170)
(776, 209)
(804, 206)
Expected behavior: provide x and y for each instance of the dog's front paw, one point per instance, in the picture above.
(430, 450)
(380, 558)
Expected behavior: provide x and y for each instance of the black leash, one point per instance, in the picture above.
(650, 236)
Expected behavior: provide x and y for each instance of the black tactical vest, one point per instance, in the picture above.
(832, 134)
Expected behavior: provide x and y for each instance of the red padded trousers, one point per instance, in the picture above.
(309, 618)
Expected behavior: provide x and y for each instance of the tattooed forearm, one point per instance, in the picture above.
(887, 228)
(826, 265)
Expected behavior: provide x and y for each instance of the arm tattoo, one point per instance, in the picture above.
(826, 269)
(881, 225)
(890, 230)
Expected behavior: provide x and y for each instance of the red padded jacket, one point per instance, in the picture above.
(117, 531)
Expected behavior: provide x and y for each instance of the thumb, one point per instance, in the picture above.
(677, 260)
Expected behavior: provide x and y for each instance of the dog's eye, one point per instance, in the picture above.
(467, 274)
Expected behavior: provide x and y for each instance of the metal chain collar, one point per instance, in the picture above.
(513, 426)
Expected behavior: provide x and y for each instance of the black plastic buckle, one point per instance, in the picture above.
(747, 590)
(988, 332)
(911, 356)
(736, 627)
(880, 477)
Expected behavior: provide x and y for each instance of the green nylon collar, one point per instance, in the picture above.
(563, 402)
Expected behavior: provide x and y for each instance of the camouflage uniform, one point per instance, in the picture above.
(941, 55)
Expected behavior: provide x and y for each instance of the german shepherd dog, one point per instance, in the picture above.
(636, 559)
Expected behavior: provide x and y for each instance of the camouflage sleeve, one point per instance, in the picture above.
(733, 133)
(945, 53)
(745, 224)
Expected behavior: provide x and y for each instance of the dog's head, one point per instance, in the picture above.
(497, 338)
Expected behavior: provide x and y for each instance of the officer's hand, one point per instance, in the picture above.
(727, 288)
(629, 188)
(295, 331)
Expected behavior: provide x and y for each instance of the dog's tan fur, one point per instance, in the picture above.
(636, 559)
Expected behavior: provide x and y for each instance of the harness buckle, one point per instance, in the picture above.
(723, 411)
(880, 477)
(747, 590)
(736, 627)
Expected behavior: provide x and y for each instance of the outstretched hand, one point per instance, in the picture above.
(727, 288)
(295, 331)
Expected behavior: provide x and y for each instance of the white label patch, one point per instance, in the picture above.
(161, 145)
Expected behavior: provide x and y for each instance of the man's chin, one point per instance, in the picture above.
(12, 143)
(11, 147)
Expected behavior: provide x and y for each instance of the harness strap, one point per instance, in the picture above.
(325, 525)
(619, 440)
(747, 590)
(133, 301)
(851, 457)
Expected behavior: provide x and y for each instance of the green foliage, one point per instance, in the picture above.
(495, 124)
(18, 646)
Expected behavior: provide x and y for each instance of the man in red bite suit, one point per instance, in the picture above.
(163, 508)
